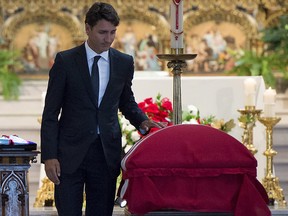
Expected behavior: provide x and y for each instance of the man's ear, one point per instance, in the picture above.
(87, 28)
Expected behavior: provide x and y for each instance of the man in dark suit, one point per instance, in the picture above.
(80, 132)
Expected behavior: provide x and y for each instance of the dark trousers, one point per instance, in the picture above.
(93, 176)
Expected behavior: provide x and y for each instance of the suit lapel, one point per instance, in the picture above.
(81, 60)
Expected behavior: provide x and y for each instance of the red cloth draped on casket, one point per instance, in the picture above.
(193, 168)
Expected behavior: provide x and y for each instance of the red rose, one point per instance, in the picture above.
(166, 104)
(148, 100)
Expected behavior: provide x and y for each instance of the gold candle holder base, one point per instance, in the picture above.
(177, 61)
(247, 121)
(177, 51)
(270, 182)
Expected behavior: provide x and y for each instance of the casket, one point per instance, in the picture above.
(192, 168)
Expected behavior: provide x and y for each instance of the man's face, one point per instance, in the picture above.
(101, 36)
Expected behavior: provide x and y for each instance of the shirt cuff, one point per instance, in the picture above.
(142, 131)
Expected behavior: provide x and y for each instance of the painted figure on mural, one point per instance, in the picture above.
(216, 51)
(129, 41)
(53, 45)
(147, 54)
(40, 49)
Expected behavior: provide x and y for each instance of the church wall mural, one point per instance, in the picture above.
(39, 43)
(216, 45)
(215, 32)
(142, 45)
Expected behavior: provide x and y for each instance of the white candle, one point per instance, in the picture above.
(176, 21)
(269, 98)
(250, 91)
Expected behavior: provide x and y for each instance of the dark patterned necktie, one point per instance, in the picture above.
(95, 78)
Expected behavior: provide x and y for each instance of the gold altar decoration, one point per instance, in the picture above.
(270, 181)
(247, 121)
(45, 195)
(62, 21)
(70, 14)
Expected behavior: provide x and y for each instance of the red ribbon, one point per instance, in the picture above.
(177, 2)
(176, 34)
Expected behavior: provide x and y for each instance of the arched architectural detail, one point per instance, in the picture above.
(154, 19)
(273, 19)
(239, 19)
(71, 23)
(239, 22)
(16, 178)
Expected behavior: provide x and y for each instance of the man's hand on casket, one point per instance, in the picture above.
(52, 169)
(148, 124)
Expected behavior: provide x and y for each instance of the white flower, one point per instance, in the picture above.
(127, 148)
(192, 110)
(135, 136)
(122, 119)
(124, 140)
(123, 122)
(192, 121)
(129, 127)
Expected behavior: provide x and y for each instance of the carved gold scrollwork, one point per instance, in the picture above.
(152, 18)
(70, 14)
(221, 15)
(66, 20)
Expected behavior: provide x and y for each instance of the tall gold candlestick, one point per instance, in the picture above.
(177, 61)
(270, 182)
(247, 121)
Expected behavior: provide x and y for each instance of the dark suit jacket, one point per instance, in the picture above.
(70, 113)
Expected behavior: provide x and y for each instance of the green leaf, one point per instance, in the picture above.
(9, 81)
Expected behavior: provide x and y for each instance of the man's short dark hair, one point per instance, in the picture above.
(99, 11)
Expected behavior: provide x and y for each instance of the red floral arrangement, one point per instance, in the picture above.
(160, 110)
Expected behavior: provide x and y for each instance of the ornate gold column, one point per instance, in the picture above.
(247, 121)
(270, 182)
